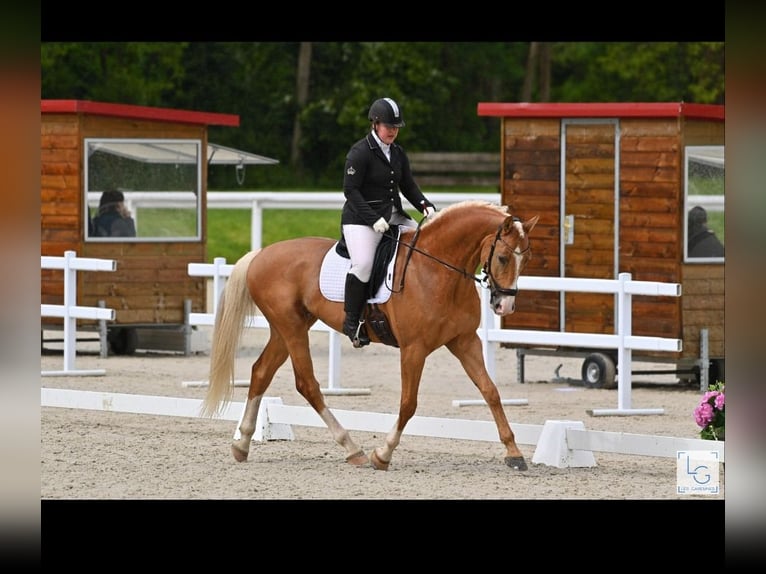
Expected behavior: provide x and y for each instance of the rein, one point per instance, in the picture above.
(409, 256)
(485, 281)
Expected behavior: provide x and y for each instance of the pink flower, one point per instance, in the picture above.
(719, 401)
(703, 414)
(708, 395)
(710, 415)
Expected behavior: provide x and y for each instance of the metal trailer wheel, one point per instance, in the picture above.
(599, 371)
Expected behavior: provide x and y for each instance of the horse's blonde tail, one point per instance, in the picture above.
(234, 306)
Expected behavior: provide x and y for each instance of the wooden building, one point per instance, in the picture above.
(609, 181)
(158, 159)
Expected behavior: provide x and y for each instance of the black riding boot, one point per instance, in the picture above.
(354, 301)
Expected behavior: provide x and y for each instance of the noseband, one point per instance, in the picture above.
(489, 281)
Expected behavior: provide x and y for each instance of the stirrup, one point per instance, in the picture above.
(359, 338)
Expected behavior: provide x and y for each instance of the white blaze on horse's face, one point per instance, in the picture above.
(509, 262)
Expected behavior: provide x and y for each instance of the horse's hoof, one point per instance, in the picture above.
(378, 464)
(516, 462)
(358, 458)
(239, 454)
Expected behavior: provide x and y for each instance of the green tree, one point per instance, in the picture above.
(639, 72)
(438, 84)
(140, 73)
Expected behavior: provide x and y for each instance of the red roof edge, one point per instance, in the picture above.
(600, 110)
(137, 112)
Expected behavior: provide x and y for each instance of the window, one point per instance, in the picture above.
(157, 181)
(704, 204)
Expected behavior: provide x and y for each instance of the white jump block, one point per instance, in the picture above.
(265, 429)
(553, 450)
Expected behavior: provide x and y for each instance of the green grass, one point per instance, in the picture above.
(706, 185)
(167, 223)
(229, 229)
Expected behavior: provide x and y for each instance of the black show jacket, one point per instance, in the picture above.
(371, 184)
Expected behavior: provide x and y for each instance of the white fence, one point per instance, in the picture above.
(258, 201)
(558, 443)
(623, 340)
(490, 332)
(70, 311)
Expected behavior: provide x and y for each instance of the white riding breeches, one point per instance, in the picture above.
(363, 240)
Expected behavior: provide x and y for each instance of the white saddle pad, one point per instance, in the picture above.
(332, 277)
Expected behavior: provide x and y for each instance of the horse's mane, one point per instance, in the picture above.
(470, 204)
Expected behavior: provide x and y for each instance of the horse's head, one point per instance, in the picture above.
(508, 254)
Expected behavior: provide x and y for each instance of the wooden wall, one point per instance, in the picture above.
(703, 300)
(151, 281)
(530, 173)
(651, 218)
(651, 204)
(703, 308)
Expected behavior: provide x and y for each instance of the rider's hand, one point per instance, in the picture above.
(429, 211)
(381, 225)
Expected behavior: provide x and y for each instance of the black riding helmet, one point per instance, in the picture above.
(386, 110)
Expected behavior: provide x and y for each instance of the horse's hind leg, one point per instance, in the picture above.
(308, 386)
(262, 373)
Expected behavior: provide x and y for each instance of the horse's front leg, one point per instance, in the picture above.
(412, 361)
(467, 348)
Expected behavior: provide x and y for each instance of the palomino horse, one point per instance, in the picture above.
(437, 305)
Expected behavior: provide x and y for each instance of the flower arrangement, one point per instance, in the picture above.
(710, 414)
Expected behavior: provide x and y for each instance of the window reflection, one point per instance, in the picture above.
(156, 184)
(705, 193)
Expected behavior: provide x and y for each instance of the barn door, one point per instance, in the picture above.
(589, 220)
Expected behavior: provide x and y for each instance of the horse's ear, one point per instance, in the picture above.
(530, 223)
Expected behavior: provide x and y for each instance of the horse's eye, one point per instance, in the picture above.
(502, 259)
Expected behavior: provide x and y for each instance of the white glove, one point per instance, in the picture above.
(381, 225)
(429, 211)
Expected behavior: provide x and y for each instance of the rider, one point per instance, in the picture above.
(114, 218)
(702, 240)
(376, 171)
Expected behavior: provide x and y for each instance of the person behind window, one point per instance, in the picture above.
(113, 219)
(702, 240)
